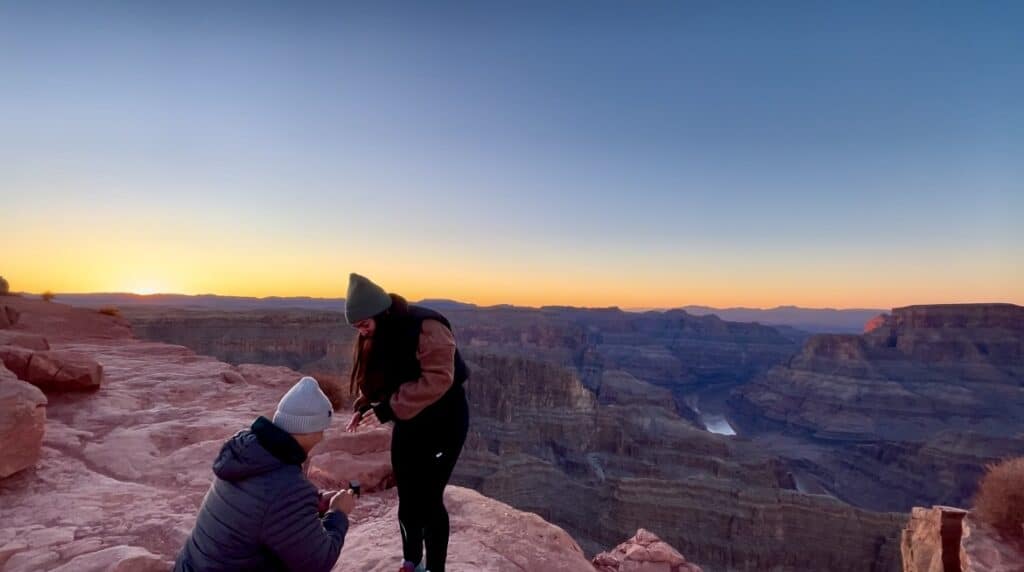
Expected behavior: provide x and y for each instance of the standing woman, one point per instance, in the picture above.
(407, 370)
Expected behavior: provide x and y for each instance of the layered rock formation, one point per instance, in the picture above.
(542, 441)
(619, 355)
(963, 364)
(674, 349)
(123, 469)
(931, 541)
(946, 539)
(905, 414)
(306, 340)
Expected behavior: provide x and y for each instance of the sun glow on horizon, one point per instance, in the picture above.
(145, 288)
(242, 262)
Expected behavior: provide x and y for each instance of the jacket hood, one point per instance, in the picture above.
(261, 449)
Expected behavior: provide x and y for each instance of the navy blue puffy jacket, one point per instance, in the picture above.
(260, 512)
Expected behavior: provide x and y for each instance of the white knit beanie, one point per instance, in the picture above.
(304, 409)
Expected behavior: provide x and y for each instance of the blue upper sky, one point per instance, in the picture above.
(829, 153)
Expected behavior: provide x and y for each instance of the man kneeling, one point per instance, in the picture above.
(260, 512)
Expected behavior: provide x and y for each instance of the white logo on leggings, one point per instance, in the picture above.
(438, 456)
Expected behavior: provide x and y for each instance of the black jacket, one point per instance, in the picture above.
(260, 512)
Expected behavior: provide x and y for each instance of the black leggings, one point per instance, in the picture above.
(423, 454)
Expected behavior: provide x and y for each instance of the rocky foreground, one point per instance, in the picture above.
(105, 467)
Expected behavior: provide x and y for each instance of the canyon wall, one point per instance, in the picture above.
(697, 359)
(905, 414)
(673, 348)
(544, 442)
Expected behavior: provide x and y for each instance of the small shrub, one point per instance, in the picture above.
(1000, 498)
(110, 311)
(5, 288)
(47, 296)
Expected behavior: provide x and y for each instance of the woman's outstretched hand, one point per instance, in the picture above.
(359, 421)
(353, 423)
(369, 420)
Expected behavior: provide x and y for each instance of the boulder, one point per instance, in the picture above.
(361, 442)
(64, 371)
(33, 342)
(53, 370)
(645, 552)
(364, 456)
(335, 470)
(22, 423)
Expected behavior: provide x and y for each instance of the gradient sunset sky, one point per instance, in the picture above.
(640, 154)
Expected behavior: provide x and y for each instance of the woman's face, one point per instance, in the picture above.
(366, 327)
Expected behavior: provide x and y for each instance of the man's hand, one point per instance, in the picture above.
(324, 502)
(353, 423)
(344, 501)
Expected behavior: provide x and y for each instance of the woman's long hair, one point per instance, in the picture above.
(373, 356)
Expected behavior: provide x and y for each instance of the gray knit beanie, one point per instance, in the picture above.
(365, 299)
(304, 409)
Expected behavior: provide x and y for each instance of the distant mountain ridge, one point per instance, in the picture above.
(230, 303)
(814, 320)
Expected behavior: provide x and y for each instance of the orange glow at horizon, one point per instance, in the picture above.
(284, 275)
(124, 255)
